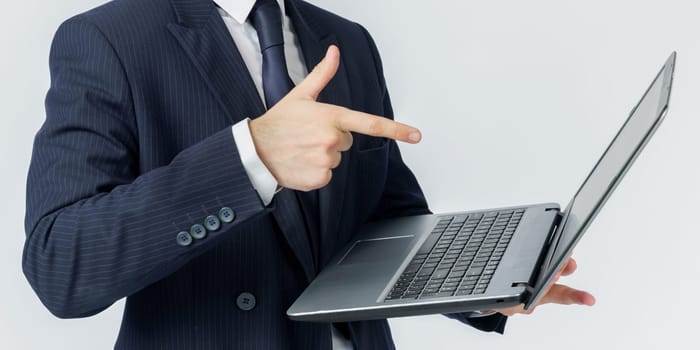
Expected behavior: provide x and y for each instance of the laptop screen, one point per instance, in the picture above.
(609, 170)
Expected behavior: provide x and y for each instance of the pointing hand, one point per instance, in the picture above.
(300, 140)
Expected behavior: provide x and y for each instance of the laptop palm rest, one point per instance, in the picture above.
(377, 250)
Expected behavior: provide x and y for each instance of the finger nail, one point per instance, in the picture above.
(587, 299)
(414, 136)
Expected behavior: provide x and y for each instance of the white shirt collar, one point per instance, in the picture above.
(240, 9)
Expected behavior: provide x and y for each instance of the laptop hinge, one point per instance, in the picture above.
(545, 254)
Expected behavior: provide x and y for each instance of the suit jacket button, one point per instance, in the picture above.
(198, 231)
(184, 239)
(227, 215)
(212, 223)
(245, 301)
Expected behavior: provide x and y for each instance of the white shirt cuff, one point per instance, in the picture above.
(261, 178)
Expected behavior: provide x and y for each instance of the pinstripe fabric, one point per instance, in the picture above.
(137, 146)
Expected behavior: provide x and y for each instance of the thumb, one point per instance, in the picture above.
(317, 80)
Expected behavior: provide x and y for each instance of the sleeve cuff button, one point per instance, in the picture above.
(198, 231)
(227, 215)
(184, 239)
(212, 223)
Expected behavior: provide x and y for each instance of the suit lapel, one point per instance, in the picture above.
(314, 41)
(203, 35)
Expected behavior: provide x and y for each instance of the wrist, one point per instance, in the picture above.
(261, 178)
(255, 132)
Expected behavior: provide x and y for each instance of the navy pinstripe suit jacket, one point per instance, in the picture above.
(137, 147)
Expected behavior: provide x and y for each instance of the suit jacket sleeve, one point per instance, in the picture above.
(97, 228)
(403, 197)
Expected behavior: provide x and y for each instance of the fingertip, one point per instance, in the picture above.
(332, 51)
(415, 136)
(586, 299)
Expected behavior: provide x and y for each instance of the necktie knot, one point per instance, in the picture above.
(266, 18)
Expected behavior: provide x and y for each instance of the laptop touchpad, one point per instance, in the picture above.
(378, 250)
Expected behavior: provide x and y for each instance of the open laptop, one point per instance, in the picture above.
(475, 260)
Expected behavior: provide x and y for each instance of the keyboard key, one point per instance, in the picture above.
(442, 273)
(479, 263)
(449, 286)
(481, 286)
(411, 268)
(474, 271)
(441, 295)
(455, 274)
(460, 268)
(434, 284)
(428, 244)
(470, 278)
(414, 289)
(469, 285)
(463, 261)
(450, 290)
(426, 271)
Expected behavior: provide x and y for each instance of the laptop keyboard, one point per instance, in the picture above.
(459, 257)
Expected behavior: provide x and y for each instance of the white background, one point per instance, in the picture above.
(516, 100)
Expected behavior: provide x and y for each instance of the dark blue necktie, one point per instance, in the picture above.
(266, 18)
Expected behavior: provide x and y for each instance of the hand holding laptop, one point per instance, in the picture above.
(557, 294)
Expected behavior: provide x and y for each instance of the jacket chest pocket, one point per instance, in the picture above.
(370, 172)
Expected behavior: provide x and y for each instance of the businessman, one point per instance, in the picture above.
(205, 160)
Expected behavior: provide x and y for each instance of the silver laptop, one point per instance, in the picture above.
(474, 260)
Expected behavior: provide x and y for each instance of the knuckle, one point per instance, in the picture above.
(336, 161)
(332, 140)
(326, 178)
(397, 134)
(337, 112)
(375, 127)
(322, 178)
(328, 162)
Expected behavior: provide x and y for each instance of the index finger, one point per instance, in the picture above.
(565, 295)
(373, 125)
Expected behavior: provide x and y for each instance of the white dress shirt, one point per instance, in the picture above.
(235, 15)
